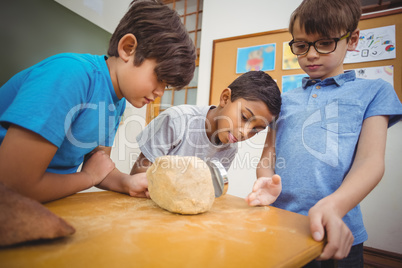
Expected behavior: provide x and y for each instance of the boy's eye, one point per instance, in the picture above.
(257, 130)
(300, 45)
(325, 43)
(244, 117)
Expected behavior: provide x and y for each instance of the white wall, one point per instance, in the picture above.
(226, 18)
(104, 13)
(382, 209)
(125, 148)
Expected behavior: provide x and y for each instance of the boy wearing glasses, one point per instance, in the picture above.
(331, 133)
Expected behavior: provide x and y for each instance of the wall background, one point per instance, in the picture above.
(31, 30)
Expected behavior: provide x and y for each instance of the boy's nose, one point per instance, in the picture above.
(312, 52)
(158, 92)
(244, 133)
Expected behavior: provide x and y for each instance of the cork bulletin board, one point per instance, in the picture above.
(224, 55)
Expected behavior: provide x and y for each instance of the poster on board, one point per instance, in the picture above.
(374, 44)
(290, 82)
(289, 60)
(256, 58)
(384, 72)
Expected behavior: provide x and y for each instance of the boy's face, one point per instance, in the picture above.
(242, 119)
(139, 84)
(317, 65)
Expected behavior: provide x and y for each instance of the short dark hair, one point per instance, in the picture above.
(327, 17)
(161, 36)
(257, 86)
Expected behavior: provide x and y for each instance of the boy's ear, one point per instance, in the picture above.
(353, 40)
(225, 97)
(127, 46)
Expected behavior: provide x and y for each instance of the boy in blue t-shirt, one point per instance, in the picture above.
(69, 106)
(331, 132)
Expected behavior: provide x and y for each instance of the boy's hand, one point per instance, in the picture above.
(137, 185)
(340, 238)
(265, 191)
(98, 166)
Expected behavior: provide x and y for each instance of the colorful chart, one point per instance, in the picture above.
(256, 58)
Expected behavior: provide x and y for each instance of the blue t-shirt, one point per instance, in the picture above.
(69, 100)
(317, 134)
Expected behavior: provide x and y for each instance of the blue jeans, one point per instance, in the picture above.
(353, 260)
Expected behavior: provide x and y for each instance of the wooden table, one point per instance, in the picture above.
(115, 230)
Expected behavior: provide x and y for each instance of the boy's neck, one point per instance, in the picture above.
(333, 74)
(111, 65)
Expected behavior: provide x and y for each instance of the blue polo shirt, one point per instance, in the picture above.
(69, 100)
(317, 134)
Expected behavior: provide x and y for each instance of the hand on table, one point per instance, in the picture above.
(98, 166)
(323, 218)
(265, 191)
(138, 185)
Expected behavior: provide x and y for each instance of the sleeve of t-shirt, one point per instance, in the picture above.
(385, 102)
(227, 161)
(47, 94)
(160, 136)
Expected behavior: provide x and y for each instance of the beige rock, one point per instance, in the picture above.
(181, 184)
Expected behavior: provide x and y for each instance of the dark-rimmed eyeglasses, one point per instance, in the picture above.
(322, 46)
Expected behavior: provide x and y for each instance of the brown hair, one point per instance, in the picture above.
(327, 17)
(257, 86)
(161, 36)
